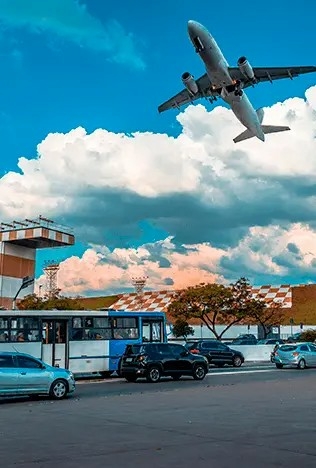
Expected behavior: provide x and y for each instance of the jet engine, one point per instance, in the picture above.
(190, 83)
(246, 69)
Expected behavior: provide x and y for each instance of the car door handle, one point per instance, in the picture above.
(23, 373)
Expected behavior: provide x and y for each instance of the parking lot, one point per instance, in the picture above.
(252, 417)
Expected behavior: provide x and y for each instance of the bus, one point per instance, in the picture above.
(83, 341)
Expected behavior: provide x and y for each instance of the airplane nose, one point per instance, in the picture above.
(192, 27)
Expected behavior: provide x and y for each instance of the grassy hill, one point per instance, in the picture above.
(94, 303)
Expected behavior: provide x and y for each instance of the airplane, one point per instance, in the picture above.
(228, 83)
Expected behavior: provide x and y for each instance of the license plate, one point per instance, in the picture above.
(129, 359)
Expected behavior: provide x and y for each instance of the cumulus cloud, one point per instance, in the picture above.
(266, 255)
(70, 20)
(241, 207)
(100, 269)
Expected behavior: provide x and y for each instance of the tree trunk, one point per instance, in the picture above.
(212, 328)
(228, 327)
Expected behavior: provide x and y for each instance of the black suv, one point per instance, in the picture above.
(217, 353)
(245, 340)
(154, 360)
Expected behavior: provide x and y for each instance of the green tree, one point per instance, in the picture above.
(181, 328)
(308, 335)
(31, 302)
(34, 302)
(214, 304)
(266, 314)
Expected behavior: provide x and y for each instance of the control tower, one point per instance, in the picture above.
(19, 242)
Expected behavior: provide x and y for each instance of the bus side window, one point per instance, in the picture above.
(25, 329)
(4, 329)
(125, 328)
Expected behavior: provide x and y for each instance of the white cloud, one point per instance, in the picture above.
(101, 270)
(71, 20)
(265, 255)
(227, 201)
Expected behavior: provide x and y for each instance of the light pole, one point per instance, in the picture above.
(26, 282)
(291, 322)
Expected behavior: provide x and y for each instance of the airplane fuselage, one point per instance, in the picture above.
(217, 69)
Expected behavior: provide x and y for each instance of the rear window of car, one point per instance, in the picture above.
(288, 348)
(191, 345)
(134, 349)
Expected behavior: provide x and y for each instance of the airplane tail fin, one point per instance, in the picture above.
(260, 114)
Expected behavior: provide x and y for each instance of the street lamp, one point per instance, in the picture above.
(26, 282)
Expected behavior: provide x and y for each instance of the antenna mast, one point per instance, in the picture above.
(51, 272)
(139, 283)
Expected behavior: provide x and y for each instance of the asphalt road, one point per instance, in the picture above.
(249, 418)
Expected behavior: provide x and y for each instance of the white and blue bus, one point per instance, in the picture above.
(82, 341)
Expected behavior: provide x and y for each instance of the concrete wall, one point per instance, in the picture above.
(235, 330)
(255, 352)
(251, 353)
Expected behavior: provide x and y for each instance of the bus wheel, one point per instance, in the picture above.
(106, 374)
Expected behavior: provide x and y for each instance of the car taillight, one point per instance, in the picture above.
(195, 351)
(295, 353)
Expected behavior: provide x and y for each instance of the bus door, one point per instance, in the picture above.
(55, 342)
(152, 330)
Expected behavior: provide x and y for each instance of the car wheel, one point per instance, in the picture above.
(58, 389)
(301, 364)
(199, 372)
(279, 366)
(176, 377)
(237, 362)
(153, 375)
(130, 378)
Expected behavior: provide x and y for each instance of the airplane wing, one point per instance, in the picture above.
(270, 73)
(185, 97)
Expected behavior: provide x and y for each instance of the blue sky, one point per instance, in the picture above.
(96, 64)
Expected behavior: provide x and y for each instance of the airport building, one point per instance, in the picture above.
(19, 242)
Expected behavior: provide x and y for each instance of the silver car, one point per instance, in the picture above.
(300, 355)
(22, 374)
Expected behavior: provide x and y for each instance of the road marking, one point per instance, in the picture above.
(241, 372)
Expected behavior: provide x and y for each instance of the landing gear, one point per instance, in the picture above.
(238, 91)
